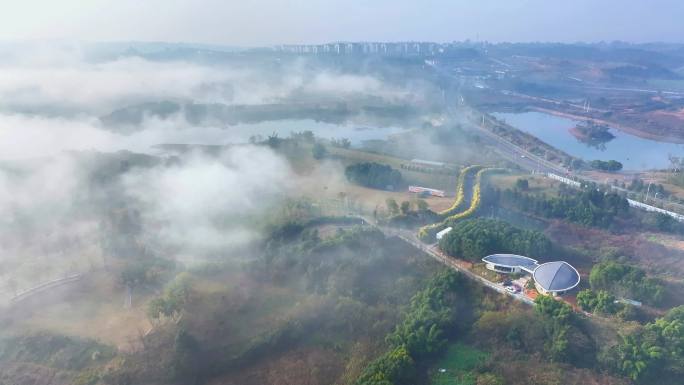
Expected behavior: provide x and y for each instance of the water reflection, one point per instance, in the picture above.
(633, 152)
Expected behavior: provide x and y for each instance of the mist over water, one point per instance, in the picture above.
(69, 182)
(52, 99)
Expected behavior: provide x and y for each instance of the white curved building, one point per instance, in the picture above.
(552, 278)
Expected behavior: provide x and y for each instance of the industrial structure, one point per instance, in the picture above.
(554, 278)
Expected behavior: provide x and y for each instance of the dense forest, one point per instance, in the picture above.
(626, 281)
(358, 308)
(475, 238)
(653, 351)
(589, 207)
(422, 333)
(375, 175)
(336, 294)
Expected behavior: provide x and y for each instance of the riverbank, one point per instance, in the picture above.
(626, 129)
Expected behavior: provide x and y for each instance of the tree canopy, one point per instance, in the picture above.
(627, 281)
(590, 207)
(610, 165)
(654, 350)
(599, 301)
(375, 175)
(474, 239)
(420, 335)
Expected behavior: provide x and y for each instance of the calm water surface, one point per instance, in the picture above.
(633, 152)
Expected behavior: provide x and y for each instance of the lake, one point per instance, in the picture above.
(36, 140)
(633, 152)
(240, 133)
(357, 134)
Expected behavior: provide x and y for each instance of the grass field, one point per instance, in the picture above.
(443, 182)
(325, 183)
(537, 184)
(458, 362)
(482, 271)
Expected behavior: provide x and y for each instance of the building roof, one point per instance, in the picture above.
(556, 276)
(512, 261)
(428, 162)
(445, 231)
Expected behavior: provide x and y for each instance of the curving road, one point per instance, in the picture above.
(434, 252)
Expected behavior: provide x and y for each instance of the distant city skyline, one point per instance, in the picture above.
(274, 22)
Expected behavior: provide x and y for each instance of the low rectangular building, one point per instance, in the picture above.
(431, 191)
(442, 233)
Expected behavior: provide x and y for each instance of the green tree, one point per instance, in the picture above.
(654, 350)
(392, 206)
(422, 205)
(273, 140)
(186, 362)
(473, 239)
(393, 367)
(626, 280)
(522, 184)
(635, 356)
(173, 300)
(665, 222)
(405, 207)
(556, 316)
(319, 151)
(375, 175)
(611, 165)
(599, 301)
(586, 299)
(489, 379)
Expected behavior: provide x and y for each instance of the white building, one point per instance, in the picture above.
(552, 278)
(442, 233)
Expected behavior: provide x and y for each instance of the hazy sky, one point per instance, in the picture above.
(264, 22)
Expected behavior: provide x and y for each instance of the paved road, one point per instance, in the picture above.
(531, 162)
(433, 251)
(508, 150)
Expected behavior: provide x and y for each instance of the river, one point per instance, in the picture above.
(633, 152)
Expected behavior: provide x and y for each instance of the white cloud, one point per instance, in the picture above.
(58, 81)
(205, 202)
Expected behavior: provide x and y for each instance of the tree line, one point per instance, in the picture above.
(429, 170)
(603, 165)
(421, 334)
(375, 175)
(589, 207)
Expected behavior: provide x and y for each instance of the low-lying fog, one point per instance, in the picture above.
(68, 198)
(52, 99)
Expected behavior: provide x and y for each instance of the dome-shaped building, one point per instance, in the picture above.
(549, 278)
(555, 277)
